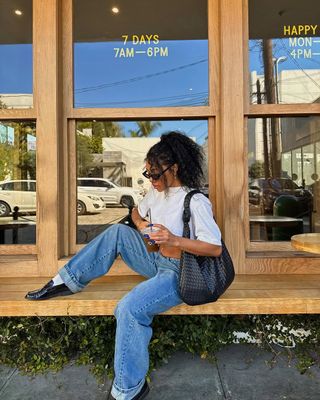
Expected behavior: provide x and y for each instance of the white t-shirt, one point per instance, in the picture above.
(167, 210)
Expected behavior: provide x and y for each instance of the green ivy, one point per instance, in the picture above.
(38, 344)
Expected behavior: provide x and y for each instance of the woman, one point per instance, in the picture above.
(174, 167)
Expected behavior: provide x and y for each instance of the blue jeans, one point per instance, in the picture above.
(135, 311)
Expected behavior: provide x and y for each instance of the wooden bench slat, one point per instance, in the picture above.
(102, 307)
(249, 294)
(248, 279)
(125, 283)
(127, 286)
(231, 294)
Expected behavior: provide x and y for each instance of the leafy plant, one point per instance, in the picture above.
(37, 344)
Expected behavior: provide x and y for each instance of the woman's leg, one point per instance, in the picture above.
(96, 258)
(134, 314)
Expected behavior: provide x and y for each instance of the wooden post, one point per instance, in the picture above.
(46, 105)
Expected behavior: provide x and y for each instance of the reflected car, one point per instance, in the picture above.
(22, 193)
(264, 192)
(110, 192)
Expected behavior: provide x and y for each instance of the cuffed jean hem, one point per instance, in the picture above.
(70, 280)
(126, 394)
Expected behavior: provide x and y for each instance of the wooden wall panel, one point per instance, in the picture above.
(17, 114)
(46, 106)
(257, 110)
(66, 140)
(232, 129)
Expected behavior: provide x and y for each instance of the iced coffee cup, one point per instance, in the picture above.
(151, 246)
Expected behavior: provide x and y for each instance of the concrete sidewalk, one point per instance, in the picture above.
(242, 372)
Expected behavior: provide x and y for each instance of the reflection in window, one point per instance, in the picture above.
(110, 162)
(149, 54)
(16, 54)
(17, 182)
(284, 51)
(284, 177)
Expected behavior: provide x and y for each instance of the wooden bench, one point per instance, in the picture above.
(249, 294)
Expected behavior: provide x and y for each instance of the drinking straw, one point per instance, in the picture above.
(149, 212)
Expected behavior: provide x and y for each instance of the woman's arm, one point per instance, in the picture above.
(139, 222)
(165, 238)
(198, 247)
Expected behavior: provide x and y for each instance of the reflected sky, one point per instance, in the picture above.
(178, 78)
(197, 129)
(298, 68)
(289, 31)
(281, 47)
(16, 68)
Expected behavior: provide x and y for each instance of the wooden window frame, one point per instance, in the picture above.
(74, 114)
(41, 259)
(274, 257)
(226, 113)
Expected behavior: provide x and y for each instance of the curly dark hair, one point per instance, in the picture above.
(177, 148)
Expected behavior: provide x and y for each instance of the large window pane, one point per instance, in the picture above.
(284, 51)
(140, 53)
(110, 159)
(17, 182)
(284, 185)
(16, 54)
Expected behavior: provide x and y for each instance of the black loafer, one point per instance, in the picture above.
(48, 291)
(141, 395)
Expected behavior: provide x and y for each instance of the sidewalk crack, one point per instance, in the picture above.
(8, 380)
(221, 382)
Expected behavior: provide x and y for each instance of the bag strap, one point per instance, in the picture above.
(187, 213)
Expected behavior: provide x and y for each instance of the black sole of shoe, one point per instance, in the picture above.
(144, 394)
(49, 296)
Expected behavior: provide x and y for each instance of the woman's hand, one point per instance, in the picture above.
(164, 236)
(142, 224)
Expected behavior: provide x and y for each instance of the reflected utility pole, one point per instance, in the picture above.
(271, 99)
(276, 65)
(264, 135)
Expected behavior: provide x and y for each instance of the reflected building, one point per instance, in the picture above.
(16, 100)
(294, 86)
(123, 159)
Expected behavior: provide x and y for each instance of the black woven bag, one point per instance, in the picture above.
(203, 279)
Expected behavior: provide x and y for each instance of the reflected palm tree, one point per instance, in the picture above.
(145, 128)
(2, 105)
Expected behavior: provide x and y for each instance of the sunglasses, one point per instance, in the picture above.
(155, 177)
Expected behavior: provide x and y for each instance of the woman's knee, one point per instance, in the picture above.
(123, 308)
(127, 308)
(117, 229)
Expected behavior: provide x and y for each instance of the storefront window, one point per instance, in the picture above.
(16, 54)
(110, 159)
(284, 51)
(140, 53)
(284, 179)
(17, 182)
